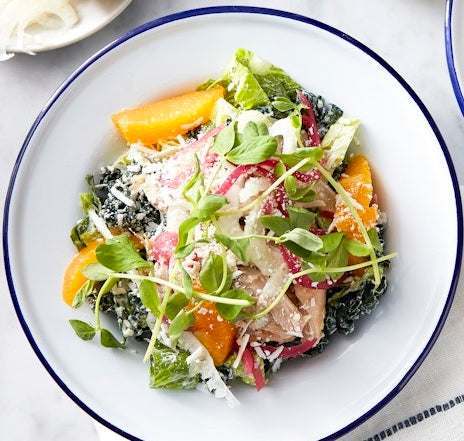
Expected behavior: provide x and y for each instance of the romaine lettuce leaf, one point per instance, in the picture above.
(169, 369)
(337, 140)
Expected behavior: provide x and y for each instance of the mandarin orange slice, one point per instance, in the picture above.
(73, 277)
(166, 118)
(357, 182)
(216, 334)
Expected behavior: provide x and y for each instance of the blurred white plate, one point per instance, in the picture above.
(454, 41)
(93, 15)
(308, 399)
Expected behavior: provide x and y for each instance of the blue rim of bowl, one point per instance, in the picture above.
(245, 10)
(450, 55)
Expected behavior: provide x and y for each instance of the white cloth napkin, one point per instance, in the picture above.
(431, 405)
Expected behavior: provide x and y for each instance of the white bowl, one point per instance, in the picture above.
(454, 44)
(308, 399)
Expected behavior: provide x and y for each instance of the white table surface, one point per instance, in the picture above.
(407, 34)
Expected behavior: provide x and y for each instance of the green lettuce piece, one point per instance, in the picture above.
(247, 93)
(274, 81)
(252, 82)
(240, 373)
(169, 369)
(337, 140)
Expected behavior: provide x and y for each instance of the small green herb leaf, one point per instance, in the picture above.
(253, 150)
(300, 217)
(82, 329)
(283, 104)
(250, 130)
(262, 129)
(120, 254)
(331, 241)
(279, 169)
(225, 139)
(187, 282)
(208, 205)
(186, 250)
(375, 240)
(175, 303)
(212, 273)
(303, 238)
(356, 248)
(84, 291)
(185, 227)
(180, 323)
(108, 340)
(149, 296)
(292, 159)
(337, 259)
(193, 180)
(96, 271)
(231, 312)
(278, 224)
(291, 185)
(237, 246)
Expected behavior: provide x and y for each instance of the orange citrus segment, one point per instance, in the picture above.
(216, 334)
(167, 118)
(357, 182)
(73, 277)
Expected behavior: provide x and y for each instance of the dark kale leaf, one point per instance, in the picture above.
(140, 218)
(128, 309)
(326, 113)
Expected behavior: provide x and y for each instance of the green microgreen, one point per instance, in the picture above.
(83, 330)
(149, 296)
(180, 323)
(175, 304)
(119, 254)
(253, 150)
(231, 312)
(238, 246)
(108, 340)
(84, 291)
(215, 275)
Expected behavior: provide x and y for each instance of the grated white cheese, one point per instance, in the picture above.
(122, 197)
(275, 354)
(99, 223)
(203, 364)
(243, 343)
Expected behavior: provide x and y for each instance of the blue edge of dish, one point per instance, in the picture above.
(450, 55)
(252, 10)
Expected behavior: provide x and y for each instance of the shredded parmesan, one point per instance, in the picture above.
(100, 224)
(202, 363)
(241, 350)
(122, 197)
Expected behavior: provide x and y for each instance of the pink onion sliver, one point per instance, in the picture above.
(294, 265)
(293, 351)
(269, 163)
(199, 143)
(250, 369)
(309, 120)
(233, 178)
(248, 361)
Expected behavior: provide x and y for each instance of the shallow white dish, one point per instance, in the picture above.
(320, 398)
(92, 16)
(454, 42)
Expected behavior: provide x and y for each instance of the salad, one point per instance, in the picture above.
(236, 232)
